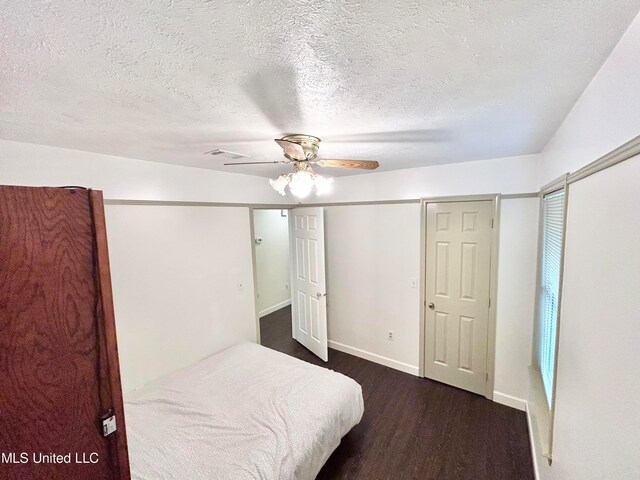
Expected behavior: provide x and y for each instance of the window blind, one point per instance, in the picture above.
(553, 226)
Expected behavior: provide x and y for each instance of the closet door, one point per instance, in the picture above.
(58, 356)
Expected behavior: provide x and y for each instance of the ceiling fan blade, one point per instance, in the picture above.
(366, 164)
(254, 163)
(292, 150)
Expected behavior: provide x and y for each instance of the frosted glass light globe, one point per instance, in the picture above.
(323, 184)
(301, 183)
(280, 183)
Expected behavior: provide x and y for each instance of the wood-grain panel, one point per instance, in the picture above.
(119, 441)
(50, 342)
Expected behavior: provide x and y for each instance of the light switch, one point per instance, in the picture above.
(413, 283)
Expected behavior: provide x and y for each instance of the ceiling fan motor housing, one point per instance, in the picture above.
(309, 144)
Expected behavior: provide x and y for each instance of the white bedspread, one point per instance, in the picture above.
(246, 412)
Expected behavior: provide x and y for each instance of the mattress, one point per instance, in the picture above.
(244, 413)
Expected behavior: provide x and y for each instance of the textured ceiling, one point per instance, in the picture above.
(168, 80)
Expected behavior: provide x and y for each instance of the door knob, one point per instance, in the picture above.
(432, 306)
(321, 294)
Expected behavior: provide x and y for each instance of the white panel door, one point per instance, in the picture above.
(309, 294)
(457, 293)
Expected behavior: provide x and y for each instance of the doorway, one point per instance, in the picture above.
(289, 273)
(459, 271)
(272, 269)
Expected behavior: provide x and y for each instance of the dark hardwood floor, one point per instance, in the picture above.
(415, 428)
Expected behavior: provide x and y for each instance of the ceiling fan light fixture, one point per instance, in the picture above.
(323, 184)
(301, 151)
(280, 183)
(302, 182)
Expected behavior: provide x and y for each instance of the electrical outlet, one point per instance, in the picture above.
(286, 286)
(390, 335)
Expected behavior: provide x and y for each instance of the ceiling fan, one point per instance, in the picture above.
(301, 151)
(273, 89)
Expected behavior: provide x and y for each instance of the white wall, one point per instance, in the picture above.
(598, 392)
(372, 252)
(175, 274)
(175, 270)
(126, 178)
(132, 179)
(605, 116)
(272, 260)
(396, 254)
(502, 175)
(516, 298)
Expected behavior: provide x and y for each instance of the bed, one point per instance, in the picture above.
(246, 412)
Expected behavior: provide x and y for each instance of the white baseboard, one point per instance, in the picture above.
(534, 454)
(276, 307)
(498, 397)
(510, 401)
(521, 404)
(373, 357)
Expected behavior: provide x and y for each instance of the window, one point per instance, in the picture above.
(552, 242)
(553, 208)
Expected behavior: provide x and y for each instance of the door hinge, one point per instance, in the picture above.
(492, 223)
(489, 302)
(486, 376)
